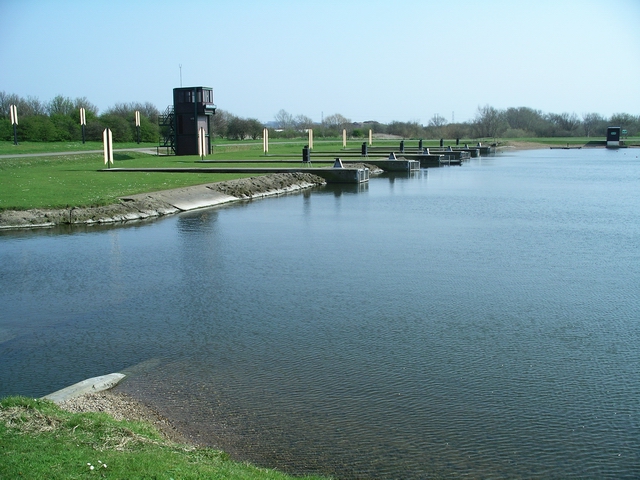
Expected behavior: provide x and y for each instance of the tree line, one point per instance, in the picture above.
(489, 122)
(59, 120)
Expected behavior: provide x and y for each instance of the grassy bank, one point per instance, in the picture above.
(62, 180)
(39, 440)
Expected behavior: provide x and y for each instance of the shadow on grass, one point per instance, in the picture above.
(122, 156)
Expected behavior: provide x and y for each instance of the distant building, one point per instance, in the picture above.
(613, 137)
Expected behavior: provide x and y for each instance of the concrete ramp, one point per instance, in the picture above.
(91, 385)
(188, 198)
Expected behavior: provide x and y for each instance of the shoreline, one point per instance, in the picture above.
(158, 204)
(122, 406)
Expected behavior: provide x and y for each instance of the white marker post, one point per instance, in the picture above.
(14, 122)
(370, 138)
(344, 138)
(265, 140)
(83, 123)
(311, 138)
(138, 125)
(202, 143)
(107, 141)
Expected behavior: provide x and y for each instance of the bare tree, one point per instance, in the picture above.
(284, 120)
(490, 122)
(302, 123)
(591, 122)
(336, 121)
(437, 121)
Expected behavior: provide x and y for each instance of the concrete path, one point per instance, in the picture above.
(91, 385)
(150, 151)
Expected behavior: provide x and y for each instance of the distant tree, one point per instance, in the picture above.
(437, 121)
(333, 125)
(627, 122)
(406, 129)
(524, 118)
(284, 120)
(119, 126)
(60, 106)
(566, 123)
(220, 122)
(67, 127)
(36, 128)
(593, 124)
(490, 122)
(237, 128)
(90, 108)
(254, 128)
(302, 123)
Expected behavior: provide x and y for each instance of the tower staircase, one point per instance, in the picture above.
(167, 124)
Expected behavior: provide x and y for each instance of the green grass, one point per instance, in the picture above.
(76, 180)
(39, 440)
(8, 148)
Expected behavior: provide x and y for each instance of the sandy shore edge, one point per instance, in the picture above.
(123, 407)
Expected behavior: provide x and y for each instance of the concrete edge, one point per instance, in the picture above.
(90, 385)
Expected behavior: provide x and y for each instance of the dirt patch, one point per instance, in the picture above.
(146, 206)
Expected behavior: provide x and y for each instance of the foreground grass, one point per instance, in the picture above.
(77, 180)
(39, 440)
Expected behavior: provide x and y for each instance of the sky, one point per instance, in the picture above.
(401, 60)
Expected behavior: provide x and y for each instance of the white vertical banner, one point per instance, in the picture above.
(311, 138)
(83, 117)
(202, 142)
(14, 114)
(370, 138)
(265, 140)
(137, 118)
(107, 140)
(344, 138)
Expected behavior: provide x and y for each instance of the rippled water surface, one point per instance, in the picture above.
(480, 320)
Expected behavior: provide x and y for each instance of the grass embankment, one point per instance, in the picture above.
(75, 180)
(40, 440)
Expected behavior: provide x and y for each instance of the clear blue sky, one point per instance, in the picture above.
(402, 60)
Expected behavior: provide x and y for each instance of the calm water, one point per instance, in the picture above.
(480, 320)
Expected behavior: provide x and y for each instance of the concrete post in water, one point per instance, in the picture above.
(420, 144)
(457, 141)
(401, 146)
(364, 151)
(441, 142)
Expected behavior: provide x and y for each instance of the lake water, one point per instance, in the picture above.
(478, 321)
